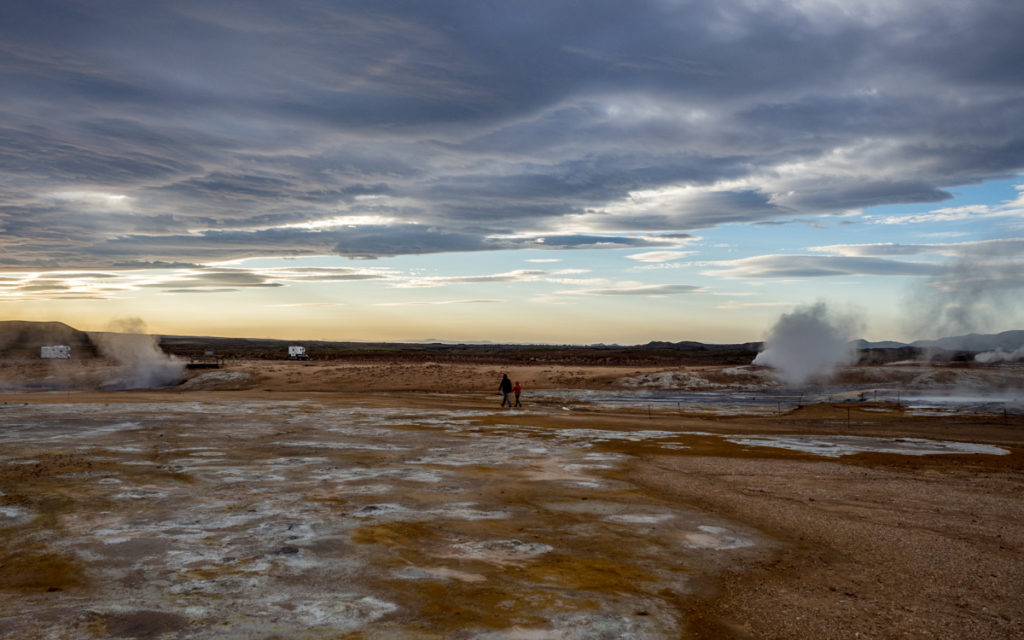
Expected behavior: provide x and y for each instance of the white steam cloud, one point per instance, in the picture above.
(981, 291)
(999, 355)
(809, 343)
(138, 361)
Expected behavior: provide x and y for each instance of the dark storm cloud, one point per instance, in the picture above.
(364, 242)
(367, 243)
(238, 188)
(196, 131)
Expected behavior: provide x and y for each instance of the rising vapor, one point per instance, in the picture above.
(979, 292)
(809, 343)
(138, 361)
(1000, 355)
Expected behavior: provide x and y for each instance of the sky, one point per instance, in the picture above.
(553, 172)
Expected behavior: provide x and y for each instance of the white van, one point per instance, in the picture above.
(58, 351)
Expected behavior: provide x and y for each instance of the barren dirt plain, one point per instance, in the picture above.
(398, 500)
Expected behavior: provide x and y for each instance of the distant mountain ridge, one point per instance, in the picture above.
(22, 339)
(884, 344)
(1007, 341)
(974, 342)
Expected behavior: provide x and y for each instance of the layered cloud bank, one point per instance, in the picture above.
(404, 128)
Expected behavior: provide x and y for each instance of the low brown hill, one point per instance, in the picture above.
(666, 354)
(19, 339)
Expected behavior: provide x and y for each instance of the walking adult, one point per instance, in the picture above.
(505, 388)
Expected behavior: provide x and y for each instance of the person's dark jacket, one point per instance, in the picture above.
(505, 386)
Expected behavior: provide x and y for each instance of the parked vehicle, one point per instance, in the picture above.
(58, 351)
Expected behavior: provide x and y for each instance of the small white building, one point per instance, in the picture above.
(297, 353)
(58, 351)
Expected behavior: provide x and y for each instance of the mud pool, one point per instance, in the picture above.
(298, 520)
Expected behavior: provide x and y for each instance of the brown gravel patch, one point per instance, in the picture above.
(866, 549)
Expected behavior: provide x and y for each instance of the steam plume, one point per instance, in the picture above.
(811, 342)
(999, 355)
(139, 362)
(978, 292)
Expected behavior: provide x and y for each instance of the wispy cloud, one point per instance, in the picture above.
(659, 256)
(1012, 208)
(234, 276)
(301, 305)
(214, 278)
(413, 303)
(733, 305)
(519, 275)
(191, 279)
(638, 290)
(804, 266)
(1002, 246)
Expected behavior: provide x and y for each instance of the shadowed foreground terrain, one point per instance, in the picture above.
(318, 500)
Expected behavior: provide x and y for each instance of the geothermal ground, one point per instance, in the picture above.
(325, 500)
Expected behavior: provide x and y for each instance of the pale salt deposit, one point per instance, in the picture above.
(836, 446)
(442, 573)
(212, 525)
(500, 551)
(731, 378)
(640, 518)
(10, 516)
(715, 538)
